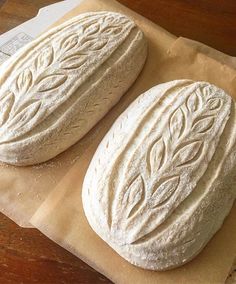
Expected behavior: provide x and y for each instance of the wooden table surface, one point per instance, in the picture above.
(26, 256)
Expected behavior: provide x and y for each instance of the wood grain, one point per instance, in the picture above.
(15, 12)
(26, 256)
(212, 22)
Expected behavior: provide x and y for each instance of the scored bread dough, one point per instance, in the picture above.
(55, 89)
(161, 182)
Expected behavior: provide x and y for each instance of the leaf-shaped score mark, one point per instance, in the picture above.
(91, 44)
(164, 190)
(24, 116)
(69, 42)
(187, 153)
(193, 102)
(24, 81)
(44, 59)
(134, 195)
(110, 30)
(72, 62)
(110, 19)
(24, 105)
(116, 21)
(51, 82)
(177, 124)
(6, 103)
(214, 104)
(203, 124)
(156, 156)
(92, 29)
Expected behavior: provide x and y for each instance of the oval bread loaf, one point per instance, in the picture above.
(54, 90)
(161, 182)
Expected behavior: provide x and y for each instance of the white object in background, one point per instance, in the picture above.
(14, 39)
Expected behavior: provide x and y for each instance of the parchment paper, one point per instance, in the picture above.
(23, 189)
(61, 216)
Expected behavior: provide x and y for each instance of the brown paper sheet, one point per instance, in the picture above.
(23, 189)
(61, 216)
